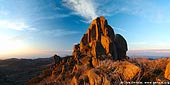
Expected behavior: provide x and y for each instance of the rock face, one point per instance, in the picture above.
(167, 71)
(100, 40)
(121, 46)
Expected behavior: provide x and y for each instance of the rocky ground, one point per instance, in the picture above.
(105, 72)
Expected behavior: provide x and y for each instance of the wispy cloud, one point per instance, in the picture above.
(146, 9)
(52, 17)
(120, 29)
(84, 8)
(59, 32)
(151, 53)
(61, 53)
(90, 9)
(147, 45)
(57, 8)
(15, 25)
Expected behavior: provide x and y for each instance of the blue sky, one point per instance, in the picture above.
(40, 28)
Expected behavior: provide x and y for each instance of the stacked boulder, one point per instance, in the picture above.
(100, 40)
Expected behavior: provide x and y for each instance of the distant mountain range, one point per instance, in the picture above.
(17, 71)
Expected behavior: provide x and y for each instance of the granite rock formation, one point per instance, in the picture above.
(121, 46)
(96, 61)
(100, 40)
(167, 71)
(57, 59)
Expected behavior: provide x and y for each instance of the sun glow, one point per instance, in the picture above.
(8, 46)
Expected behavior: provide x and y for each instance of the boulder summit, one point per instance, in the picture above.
(101, 41)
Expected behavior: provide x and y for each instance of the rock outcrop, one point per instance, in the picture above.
(121, 46)
(57, 59)
(100, 40)
(106, 72)
(167, 71)
(96, 61)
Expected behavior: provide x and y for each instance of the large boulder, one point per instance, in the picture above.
(57, 59)
(121, 46)
(99, 39)
(167, 71)
(127, 70)
(120, 71)
(97, 78)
